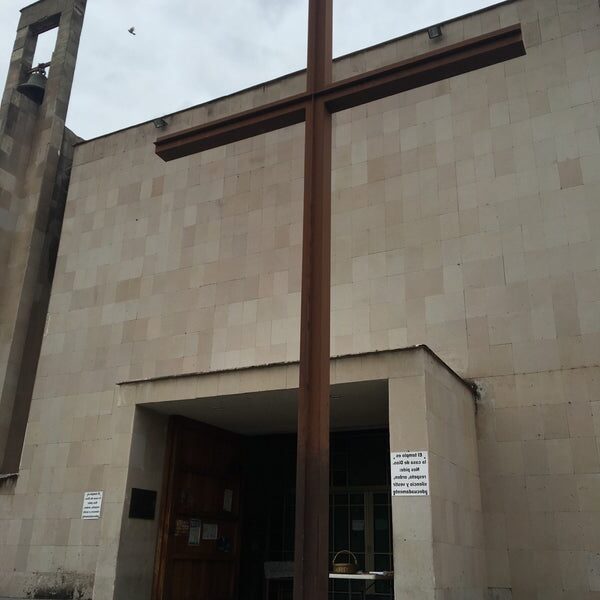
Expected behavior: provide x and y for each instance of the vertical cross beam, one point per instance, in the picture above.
(320, 44)
(312, 473)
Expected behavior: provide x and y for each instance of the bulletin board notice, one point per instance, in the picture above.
(410, 473)
(92, 505)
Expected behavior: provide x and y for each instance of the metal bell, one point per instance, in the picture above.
(35, 87)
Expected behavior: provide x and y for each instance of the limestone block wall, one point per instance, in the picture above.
(464, 212)
(438, 539)
(458, 541)
(143, 468)
(465, 217)
(540, 475)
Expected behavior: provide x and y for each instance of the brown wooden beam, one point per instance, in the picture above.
(311, 544)
(311, 559)
(449, 61)
(241, 126)
(320, 45)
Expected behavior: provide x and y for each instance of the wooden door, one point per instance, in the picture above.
(199, 535)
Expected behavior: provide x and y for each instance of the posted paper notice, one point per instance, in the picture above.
(410, 473)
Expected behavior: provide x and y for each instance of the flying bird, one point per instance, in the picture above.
(131, 30)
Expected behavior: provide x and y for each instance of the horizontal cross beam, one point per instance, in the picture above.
(241, 126)
(449, 61)
(412, 73)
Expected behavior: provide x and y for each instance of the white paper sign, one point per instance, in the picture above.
(210, 531)
(410, 473)
(358, 525)
(194, 532)
(92, 505)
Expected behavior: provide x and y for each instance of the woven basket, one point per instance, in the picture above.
(345, 568)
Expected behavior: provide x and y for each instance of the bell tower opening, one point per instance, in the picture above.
(45, 45)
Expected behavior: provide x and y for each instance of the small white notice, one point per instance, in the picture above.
(410, 473)
(92, 505)
(358, 525)
(228, 500)
(210, 531)
(194, 532)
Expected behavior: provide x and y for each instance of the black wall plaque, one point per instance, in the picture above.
(143, 504)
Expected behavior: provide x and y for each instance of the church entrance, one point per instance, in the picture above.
(228, 515)
(239, 443)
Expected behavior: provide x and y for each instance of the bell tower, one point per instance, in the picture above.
(35, 158)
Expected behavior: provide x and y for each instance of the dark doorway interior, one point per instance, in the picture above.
(360, 511)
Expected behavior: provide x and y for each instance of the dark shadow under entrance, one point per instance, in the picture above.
(360, 513)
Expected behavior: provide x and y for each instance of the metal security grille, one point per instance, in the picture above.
(360, 521)
(360, 518)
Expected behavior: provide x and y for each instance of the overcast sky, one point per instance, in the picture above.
(190, 51)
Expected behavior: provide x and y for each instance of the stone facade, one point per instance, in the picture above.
(465, 217)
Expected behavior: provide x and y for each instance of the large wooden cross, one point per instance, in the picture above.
(315, 107)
